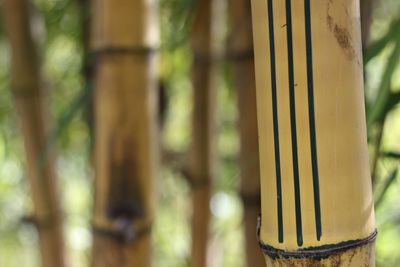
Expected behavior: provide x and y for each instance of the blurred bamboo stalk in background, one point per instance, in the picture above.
(202, 150)
(240, 54)
(317, 204)
(124, 41)
(30, 102)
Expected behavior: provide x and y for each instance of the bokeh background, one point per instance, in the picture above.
(57, 27)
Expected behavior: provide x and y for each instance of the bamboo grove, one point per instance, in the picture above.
(209, 133)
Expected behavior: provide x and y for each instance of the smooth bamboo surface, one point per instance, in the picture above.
(30, 104)
(201, 167)
(124, 39)
(315, 176)
(240, 55)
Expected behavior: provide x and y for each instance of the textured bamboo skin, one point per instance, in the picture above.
(240, 54)
(30, 103)
(202, 154)
(355, 257)
(315, 179)
(124, 38)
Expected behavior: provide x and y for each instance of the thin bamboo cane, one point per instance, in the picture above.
(317, 205)
(29, 99)
(240, 47)
(202, 159)
(124, 39)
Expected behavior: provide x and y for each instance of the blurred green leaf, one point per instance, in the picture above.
(73, 109)
(387, 183)
(66, 117)
(377, 46)
(178, 14)
(380, 106)
(391, 155)
(392, 100)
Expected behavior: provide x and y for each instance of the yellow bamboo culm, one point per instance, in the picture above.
(30, 103)
(317, 204)
(124, 41)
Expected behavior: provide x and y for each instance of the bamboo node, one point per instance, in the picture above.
(314, 253)
(122, 230)
(39, 223)
(196, 183)
(251, 199)
(204, 58)
(240, 55)
(138, 50)
(27, 93)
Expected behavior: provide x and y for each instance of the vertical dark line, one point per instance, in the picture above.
(275, 119)
(311, 114)
(299, 228)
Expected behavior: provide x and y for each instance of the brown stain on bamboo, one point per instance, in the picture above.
(341, 34)
(343, 38)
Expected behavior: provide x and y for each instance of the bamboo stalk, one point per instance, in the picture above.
(30, 103)
(202, 160)
(124, 39)
(240, 47)
(317, 204)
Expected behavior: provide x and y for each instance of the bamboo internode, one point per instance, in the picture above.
(316, 192)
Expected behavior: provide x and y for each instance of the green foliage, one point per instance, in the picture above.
(381, 61)
(175, 22)
(384, 100)
(377, 46)
(386, 184)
